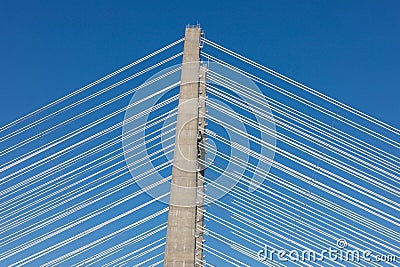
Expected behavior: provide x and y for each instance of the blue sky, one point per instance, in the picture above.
(348, 51)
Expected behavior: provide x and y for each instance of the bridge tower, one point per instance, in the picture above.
(185, 218)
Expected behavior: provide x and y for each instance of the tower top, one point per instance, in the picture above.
(193, 26)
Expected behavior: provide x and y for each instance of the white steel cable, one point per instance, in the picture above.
(259, 228)
(65, 196)
(300, 176)
(81, 205)
(325, 111)
(288, 126)
(90, 200)
(15, 188)
(254, 96)
(60, 199)
(388, 233)
(233, 244)
(129, 258)
(316, 154)
(224, 256)
(87, 139)
(94, 213)
(264, 230)
(103, 183)
(252, 199)
(251, 208)
(305, 179)
(225, 223)
(326, 173)
(312, 210)
(234, 227)
(256, 208)
(348, 168)
(37, 178)
(248, 210)
(101, 240)
(26, 231)
(323, 171)
(296, 190)
(116, 248)
(305, 88)
(114, 262)
(74, 133)
(305, 135)
(157, 263)
(37, 122)
(90, 85)
(249, 253)
(253, 77)
(142, 263)
(233, 231)
(329, 113)
(107, 252)
(364, 235)
(36, 255)
(69, 162)
(25, 157)
(116, 140)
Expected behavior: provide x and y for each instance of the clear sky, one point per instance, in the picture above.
(346, 49)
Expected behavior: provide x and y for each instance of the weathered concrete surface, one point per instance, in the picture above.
(181, 231)
(200, 175)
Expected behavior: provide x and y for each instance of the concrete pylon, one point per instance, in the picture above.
(185, 214)
(200, 174)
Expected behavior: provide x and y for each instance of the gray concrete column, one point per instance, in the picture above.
(200, 174)
(181, 231)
